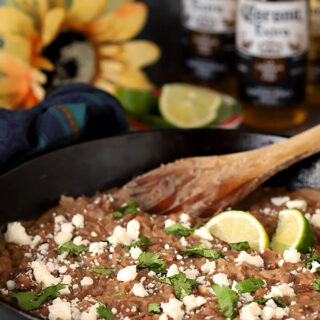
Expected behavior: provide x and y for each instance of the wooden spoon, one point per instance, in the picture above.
(206, 185)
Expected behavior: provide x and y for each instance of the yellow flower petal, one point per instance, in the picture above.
(17, 46)
(110, 70)
(114, 4)
(138, 53)
(105, 85)
(51, 25)
(121, 24)
(35, 8)
(135, 79)
(83, 11)
(43, 63)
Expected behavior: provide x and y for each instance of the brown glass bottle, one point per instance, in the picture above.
(208, 43)
(313, 79)
(272, 45)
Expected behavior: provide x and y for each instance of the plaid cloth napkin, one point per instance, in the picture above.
(72, 113)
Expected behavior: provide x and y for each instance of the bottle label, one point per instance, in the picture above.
(209, 27)
(272, 43)
(314, 50)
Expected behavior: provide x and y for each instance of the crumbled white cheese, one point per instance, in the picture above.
(173, 270)
(271, 311)
(127, 274)
(184, 242)
(125, 236)
(192, 273)
(192, 302)
(221, 279)
(42, 275)
(173, 309)
(279, 201)
(65, 235)
(66, 280)
(168, 223)
(163, 317)
(250, 259)
(16, 233)
(89, 314)
(209, 267)
(314, 266)
(78, 220)
(281, 290)
(77, 240)
(292, 255)
(86, 281)
(11, 285)
(63, 269)
(185, 220)
(139, 291)
(315, 220)
(204, 233)
(297, 204)
(135, 252)
(59, 310)
(250, 311)
(35, 241)
(97, 248)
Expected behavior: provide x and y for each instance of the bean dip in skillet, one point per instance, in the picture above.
(90, 259)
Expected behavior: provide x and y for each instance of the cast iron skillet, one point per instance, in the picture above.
(84, 169)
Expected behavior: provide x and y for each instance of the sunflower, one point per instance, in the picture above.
(48, 43)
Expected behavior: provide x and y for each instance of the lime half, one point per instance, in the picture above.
(293, 231)
(189, 106)
(237, 226)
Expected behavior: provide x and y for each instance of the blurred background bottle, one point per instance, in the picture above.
(272, 46)
(313, 85)
(208, 43)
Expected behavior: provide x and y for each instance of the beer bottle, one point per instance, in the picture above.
(313, 85)
(208, 43)
(272, 44)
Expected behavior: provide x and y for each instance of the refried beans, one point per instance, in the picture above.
(117, 262)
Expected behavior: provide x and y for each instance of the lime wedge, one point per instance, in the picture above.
(189, 106)
(237, 226)
(293, 231)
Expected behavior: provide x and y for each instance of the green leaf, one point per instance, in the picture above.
(27, 302)
(182, 286)
(154, 308)
(279, 302)
(316, 285)
(200, 251)
(70, 247)
(104, 312)
(178, 229)
(244, 245)
(130, 208)
(311, 258)
(151, 261)
(143, 241)
(118, 294)
(250, 285)
(227, 299)
(117, 214)
(105, 271)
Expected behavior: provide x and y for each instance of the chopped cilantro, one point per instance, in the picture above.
(179, 230)
(130, 208)
(200, 251)
(70, 247)
(182, 286)
(143, 241)
(227, 299)
(279, 302)
(154, 308)
(316, 284)
(151, 261)
(244, 245)
(311, 258)
(105, 271)
(250, 285)
(118, 294)
(104, 312)
(26, 300)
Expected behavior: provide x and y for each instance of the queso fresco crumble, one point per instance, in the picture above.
(91, 259)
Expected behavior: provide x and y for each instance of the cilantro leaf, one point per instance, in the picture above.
(250, 285)
(244, 245)
(130, 208)
(70, 247)
(104, 312)
(151, 261)
(105, 271)
(316, 285)
(179, 230)
(154, 308)
(27, 302)
(117, 214)
(279, 302)
(143, 241)
(200, 251)
(118, 294)
(227, 299)
(311, 258)
(182, 285)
